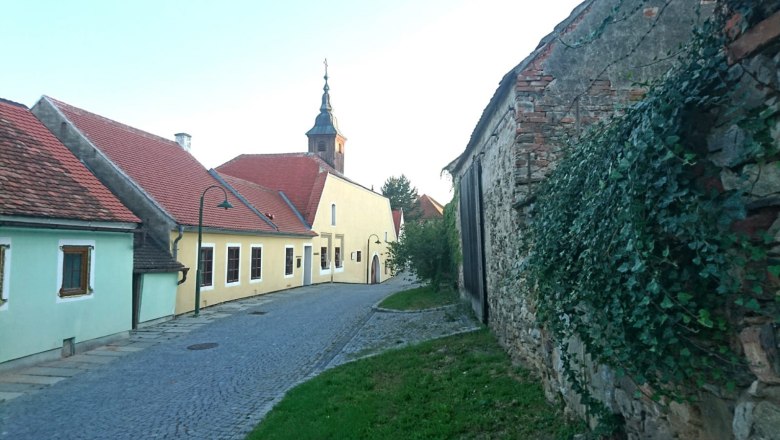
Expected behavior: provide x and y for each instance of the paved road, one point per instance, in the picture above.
(166, 390)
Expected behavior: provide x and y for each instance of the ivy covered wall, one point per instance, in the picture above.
(636, 267)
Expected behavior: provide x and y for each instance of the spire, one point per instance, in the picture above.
(325, 95)
(326, 122)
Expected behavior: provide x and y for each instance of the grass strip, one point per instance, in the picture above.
(420, 298)
(462, 386)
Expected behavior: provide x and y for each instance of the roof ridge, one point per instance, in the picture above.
(246, 182)
(14, 103)
(111, 121)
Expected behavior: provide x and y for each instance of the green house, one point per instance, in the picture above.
(66, 248)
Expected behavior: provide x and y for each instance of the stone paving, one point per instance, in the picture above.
(214, 376)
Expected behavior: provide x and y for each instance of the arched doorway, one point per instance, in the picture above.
(375, 270)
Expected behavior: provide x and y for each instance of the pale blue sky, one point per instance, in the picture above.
(409, 78)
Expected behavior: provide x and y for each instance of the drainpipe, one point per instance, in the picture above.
(176, 242)
(176, 253)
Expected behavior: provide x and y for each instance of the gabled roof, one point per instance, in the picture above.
(40, 177)
(170, 175)
(300, 176)
(271, 204)
(429, 208)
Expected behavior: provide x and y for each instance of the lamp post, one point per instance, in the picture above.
(225, 204)
(368, 255)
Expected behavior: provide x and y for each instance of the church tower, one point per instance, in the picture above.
(325, 139)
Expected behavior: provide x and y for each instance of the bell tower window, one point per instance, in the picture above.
(321, 146)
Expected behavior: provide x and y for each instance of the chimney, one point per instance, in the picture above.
(184, 140)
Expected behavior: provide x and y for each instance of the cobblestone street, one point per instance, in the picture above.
(172, 381)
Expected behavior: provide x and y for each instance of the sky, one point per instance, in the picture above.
(408, 78)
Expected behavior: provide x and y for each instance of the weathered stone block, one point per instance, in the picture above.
(758, 343)
(766, 420)
(729, 145)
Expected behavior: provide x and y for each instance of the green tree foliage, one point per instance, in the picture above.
(430, 249)
(402, 195)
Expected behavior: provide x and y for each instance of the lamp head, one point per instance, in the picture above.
(378, 242)
(225, 204)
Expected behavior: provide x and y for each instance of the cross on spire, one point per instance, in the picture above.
(326, 68)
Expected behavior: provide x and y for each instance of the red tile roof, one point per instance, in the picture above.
(271, 204)
(429, 208)
(398, 215)
(40, 177)
(301, 176)
(165, 171)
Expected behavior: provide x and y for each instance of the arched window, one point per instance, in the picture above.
(333, 214)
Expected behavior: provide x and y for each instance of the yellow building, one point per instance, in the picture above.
(247, 250)
(353, 223)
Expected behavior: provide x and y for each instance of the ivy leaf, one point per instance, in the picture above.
(667, 303)
(704, 318)
(774, 270)
(684, 298)
(752, 305)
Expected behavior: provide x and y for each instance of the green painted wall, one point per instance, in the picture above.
(158, 295)
(35, 319)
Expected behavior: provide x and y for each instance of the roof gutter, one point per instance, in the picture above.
(60, 223)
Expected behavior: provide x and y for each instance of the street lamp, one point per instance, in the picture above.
(368, 255)
(225, 204)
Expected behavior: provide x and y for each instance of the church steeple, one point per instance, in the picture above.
(325, 139)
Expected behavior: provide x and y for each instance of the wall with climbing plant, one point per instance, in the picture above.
(638, 271)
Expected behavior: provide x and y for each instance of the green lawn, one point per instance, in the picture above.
(462, 386)
(420, 298)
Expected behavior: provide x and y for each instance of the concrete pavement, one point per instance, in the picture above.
(211, 377)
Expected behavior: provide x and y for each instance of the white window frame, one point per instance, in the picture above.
(238, 280)
(252, 247)
(213, 265)
(292, 273)
(91, 271)
(329, 245)
(333, 214)
(5, 289)
(339, 240)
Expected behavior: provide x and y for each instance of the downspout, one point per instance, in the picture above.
(184, 271)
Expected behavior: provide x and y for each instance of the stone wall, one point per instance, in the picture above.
(586, 71)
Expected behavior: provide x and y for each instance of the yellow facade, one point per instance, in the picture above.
(272, 274)
(359, 213)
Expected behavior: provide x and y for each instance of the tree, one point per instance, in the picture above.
(402, 195)
(430, 250)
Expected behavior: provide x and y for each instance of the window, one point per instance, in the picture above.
(339, 256)
(324, 257)
(5, 252)
(288, 261)
(333, 214)
(76, 262)
(321, 146)
(207, 266)
(341, 148)
(233, 264)
(256, 264)
(358, 256)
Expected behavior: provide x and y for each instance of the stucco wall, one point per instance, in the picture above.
(35, 319)
(158, 299)
(273, 277)
(359, 213)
